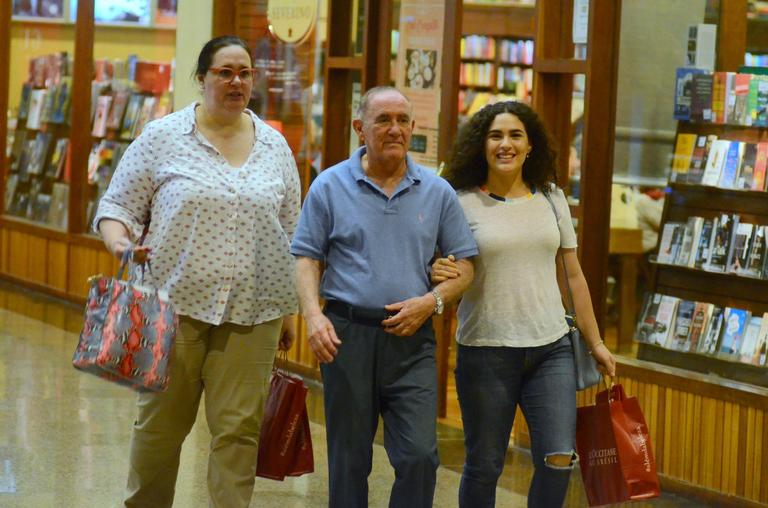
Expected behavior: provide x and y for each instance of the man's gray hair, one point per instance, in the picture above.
(365, 100)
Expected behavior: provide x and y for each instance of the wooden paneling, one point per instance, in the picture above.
(57, 264)
(503, 21)
(5, 250)
(18, 243)
(83, 262)
(37, 263)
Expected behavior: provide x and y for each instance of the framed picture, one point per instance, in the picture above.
(128, 12)
(49, 9)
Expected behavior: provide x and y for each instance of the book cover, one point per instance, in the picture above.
(739, 258)
(684, 91)
(647, 324)
(761, 163)
(749, 343)
(46, 115)
(26, 91)
(681, 330)
(665, 318)
(735, 322)
(36, 103)
(58, 211)
(39, 153)
(10, 192)
(103, 104)
(715, 162)
(131, 115)
(738, 112)
(746, 172)
(722, 243)
(699, 158)
(761, 343)
(119, 104)
(59, 156)
(145, 115)
(681, 159)
(757, 252)
(719, 97)
(731, 165)
(24, 157)
(713, 331)
(692, 228)
(760, 112)
(704, 245)
(668, 233)
(62, 102)
(19, 141)
(701, 98)
(701, 316)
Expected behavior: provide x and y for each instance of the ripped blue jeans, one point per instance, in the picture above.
(491, 382)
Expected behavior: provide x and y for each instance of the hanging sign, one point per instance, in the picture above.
(291, 21)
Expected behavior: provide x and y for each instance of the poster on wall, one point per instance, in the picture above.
(418, 70)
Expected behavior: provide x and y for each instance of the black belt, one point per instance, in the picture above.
(361, 315)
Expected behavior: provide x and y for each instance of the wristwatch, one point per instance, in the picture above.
(439, 305)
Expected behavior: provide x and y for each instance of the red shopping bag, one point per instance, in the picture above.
(285, 444)
(614, 447)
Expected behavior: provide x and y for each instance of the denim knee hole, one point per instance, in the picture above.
(561, 460)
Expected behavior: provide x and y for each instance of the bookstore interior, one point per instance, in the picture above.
(662, 151)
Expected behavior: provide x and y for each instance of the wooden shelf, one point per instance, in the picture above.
(707, 364)
(516, 22)
(688, 198)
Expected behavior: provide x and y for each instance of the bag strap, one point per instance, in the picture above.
(571, 308)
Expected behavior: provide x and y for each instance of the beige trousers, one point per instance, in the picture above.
(232, 363)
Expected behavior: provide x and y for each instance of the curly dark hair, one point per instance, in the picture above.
(468, 166)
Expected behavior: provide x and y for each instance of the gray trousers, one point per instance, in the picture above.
(376, 373)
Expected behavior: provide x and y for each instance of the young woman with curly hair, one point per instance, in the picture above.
(512, 333)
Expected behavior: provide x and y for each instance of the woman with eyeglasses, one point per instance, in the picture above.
(220, 191)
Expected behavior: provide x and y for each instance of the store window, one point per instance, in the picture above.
(132, 85)
(40, 84)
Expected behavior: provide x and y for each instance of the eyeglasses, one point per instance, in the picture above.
(228, 73)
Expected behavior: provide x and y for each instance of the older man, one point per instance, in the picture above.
(375, 220)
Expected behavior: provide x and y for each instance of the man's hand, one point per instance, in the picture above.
(322, 337)
(409, 315)
(287, 334)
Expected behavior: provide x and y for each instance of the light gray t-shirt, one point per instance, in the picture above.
(514, 299)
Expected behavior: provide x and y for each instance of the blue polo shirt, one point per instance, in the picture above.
(377, 249)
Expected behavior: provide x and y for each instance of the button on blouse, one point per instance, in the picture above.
(219, 234)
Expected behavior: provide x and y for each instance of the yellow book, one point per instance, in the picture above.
(681, 160)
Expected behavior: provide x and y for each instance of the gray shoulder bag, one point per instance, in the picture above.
(585, 365)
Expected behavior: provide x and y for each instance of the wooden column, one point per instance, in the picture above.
(731, 35)
(224, 17)
(80, 131)
(5, 70)
(597, 147)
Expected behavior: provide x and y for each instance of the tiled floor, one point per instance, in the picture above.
(64, 435)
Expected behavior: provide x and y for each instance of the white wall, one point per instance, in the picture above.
(193, 29)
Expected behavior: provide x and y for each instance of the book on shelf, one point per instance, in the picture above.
(735, 322)
(739, 255)
(701, 98)
(19, 142)
(131, 115)
(665, 318)
(681, 330)
(115, 119)
(711, 335)
(705, 243)
(58, 211)
(36, 103)
(145, 115)
(699, 158)
(24, 158)
(722, 82)
(746, 172)
(10, 191)
(681, 159)
(103, 104)
(721, 246)
(686, 254)
(647, 324)
(671, 238)
(26, 92)
(716, 156)
(739, 95)
(731, 165)
(758, 252)
(758, 101)
(39, 154)
(761, 164)
(749, 343)
(62, 101)
(58, 158)
(761, 343)
(702, 313)
(684, 91)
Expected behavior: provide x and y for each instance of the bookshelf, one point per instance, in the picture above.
(707, 272)
(496, 55)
